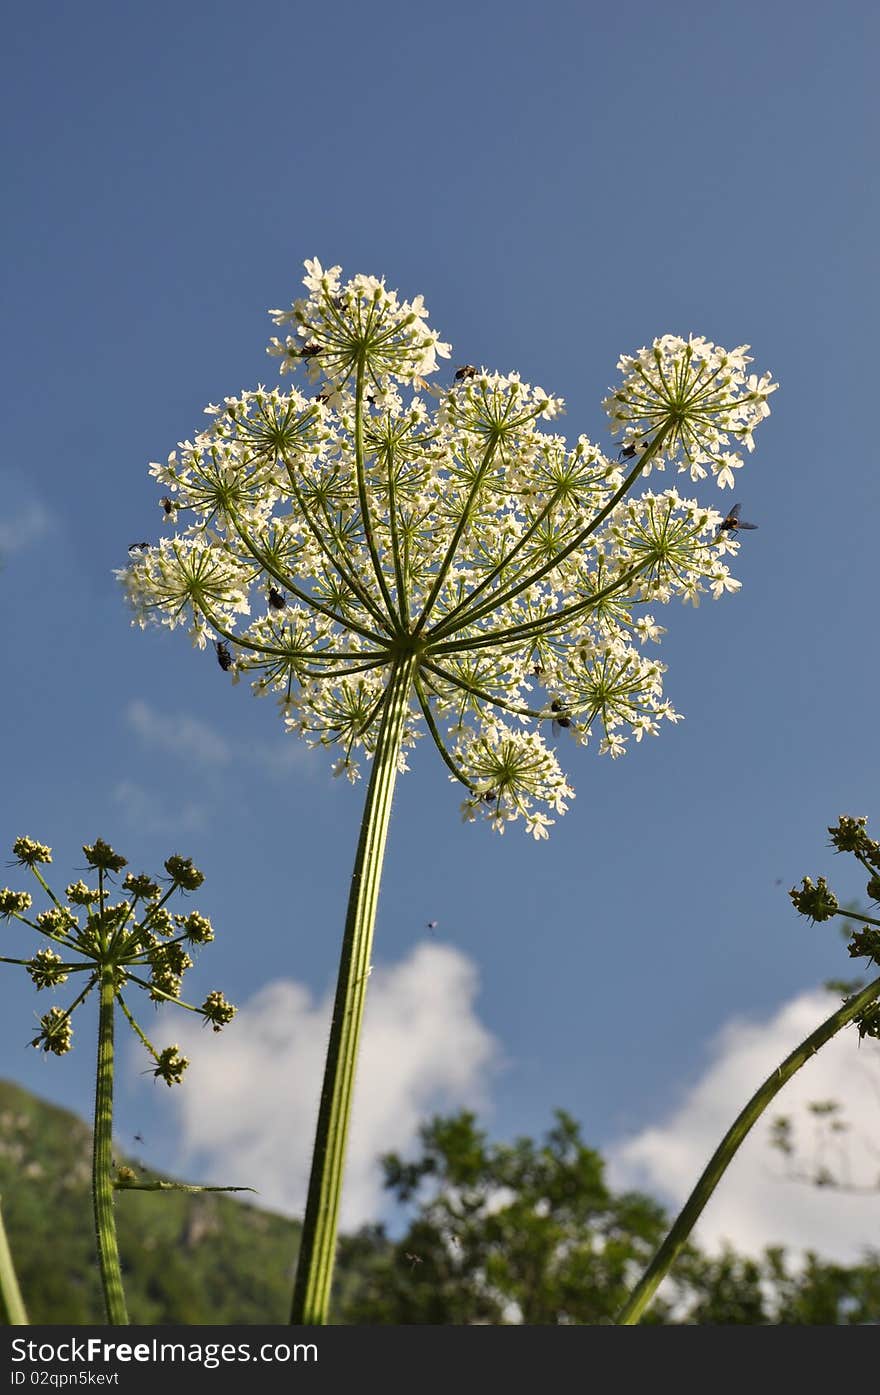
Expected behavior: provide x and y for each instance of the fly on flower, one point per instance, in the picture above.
(732, 523)
(467, 370)
(275, 598)
(168, 506)
(627, 452)
(562, 721)
(224, 658)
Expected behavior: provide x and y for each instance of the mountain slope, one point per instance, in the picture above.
(202, 1258)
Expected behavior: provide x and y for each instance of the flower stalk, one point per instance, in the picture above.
(314, 1274)
(12, 1310)
(102, 1160)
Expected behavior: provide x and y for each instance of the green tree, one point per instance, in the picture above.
(524, 1232)
(530, 1233)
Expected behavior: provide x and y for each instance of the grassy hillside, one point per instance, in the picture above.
(185, 1258)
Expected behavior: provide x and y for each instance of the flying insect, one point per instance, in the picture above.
(732, 523)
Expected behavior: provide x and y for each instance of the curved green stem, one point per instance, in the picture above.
(399, 571)
(499, 569)
(665, 1257)
(12, 1309)
(314, 1273)
(502, 598)
(366, 519)
(449, 556)
(457, 682)
(438, 740)
(102, 1160)
(546, 624)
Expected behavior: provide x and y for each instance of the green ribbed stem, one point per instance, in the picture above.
(665, 1257)
(314, 1273)
(102, 1160)
(12, 1309)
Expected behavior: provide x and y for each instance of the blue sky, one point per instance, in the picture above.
(562, 184)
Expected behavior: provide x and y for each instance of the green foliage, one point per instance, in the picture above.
(524, 1232)
(732, 1289)
(530, 1233)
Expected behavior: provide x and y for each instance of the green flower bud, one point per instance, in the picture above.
(171, 1065)
(101, 856)
(217, 1010)
(56, 1032)
(13, 902)
(57, 921)
(816, 902)
(196, 927)
(142, 887)
(183, 873)
(29, 853)
(80, 894)
(865, 943)
(45, 969)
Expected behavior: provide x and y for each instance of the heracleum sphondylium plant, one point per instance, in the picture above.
(393, 560)
(133, 941)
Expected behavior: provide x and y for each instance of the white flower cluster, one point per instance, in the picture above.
(325, 538)
(339, 327)
(698, 397)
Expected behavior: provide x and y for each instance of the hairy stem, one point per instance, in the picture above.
(102, 1160)
(314, 1274)
(665, 1257)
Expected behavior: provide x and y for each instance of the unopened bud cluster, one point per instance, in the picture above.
(819, 902)
(135, 942)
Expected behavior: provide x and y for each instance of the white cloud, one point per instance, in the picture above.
(286, 755)
(196, 741)
(179, 734)
(148, 814)
(249, 1104)
(754, 1205)
(28, 526)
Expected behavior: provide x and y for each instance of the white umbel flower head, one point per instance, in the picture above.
(331, 536)
(696, 398)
